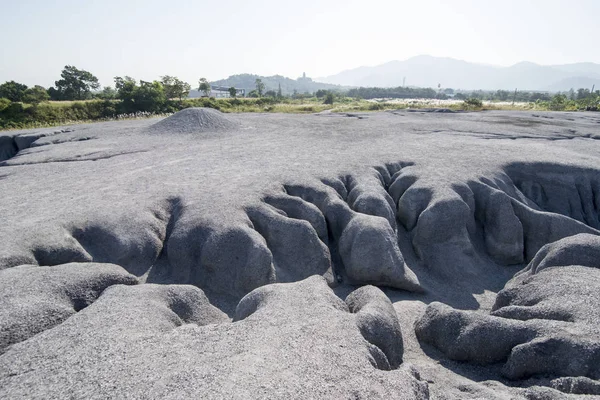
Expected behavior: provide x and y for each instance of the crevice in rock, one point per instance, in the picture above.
(363, 244)
(297, 250)
(8, 148)
(11, 145)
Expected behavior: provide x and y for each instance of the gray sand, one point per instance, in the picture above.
(225, 256)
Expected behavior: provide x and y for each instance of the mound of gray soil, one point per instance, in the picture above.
(195, 120)
(405, 255)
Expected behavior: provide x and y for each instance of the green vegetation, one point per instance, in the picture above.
(35, 95)
(76, 98)
(148, 97)
(76, 84)
(12, 91)
(395, 93)
(175, 88)
(329, 98)
(473, 103)
(204, 86)
(4, 103)
(260, 87)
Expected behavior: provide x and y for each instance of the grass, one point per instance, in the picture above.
(296, 106)
(290, 108)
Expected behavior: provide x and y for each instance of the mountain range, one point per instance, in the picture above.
(429, 71)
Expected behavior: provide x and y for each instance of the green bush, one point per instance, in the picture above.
(35, 95)
(14, 111)
(558, 102)
(4, 103)
(472, 102)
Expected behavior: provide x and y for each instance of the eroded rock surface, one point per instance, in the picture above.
(543, 323)
(33, 299)
(167, 341)
(254, 217)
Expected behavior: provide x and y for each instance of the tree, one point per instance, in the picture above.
(279, 93)
(502, 95)
(126, 88)
(12, 91)
(232, 92)
(35, 95)
(108, 93)
(329, 98)
(124, 84)
(174, 87)
(204, 86)
(260, 86)
(558, 102)
(76, 84)
(583, 94)
(149, 96)
(271, 93)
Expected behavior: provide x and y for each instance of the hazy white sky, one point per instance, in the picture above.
(214, 39)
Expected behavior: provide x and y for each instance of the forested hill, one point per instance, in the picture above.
(300, 85)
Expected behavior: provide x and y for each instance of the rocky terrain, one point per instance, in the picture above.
(404, 255)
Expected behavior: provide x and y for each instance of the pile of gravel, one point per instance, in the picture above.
(195, 120)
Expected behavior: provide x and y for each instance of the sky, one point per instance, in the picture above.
(217, 38)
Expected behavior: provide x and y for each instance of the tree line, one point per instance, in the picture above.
(79, 90)
(21, 105)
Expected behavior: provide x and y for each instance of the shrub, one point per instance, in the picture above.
(14, 111)
(472, 102)
(329, 98)
(4, 103)
(558, 103)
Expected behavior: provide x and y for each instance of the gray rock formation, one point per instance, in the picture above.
(544, 322)
(167, 341)
(33, 299)
(378, 323)
(272, 220)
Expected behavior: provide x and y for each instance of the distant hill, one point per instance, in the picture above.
(428, 71)
(288, 85)
(575, 82)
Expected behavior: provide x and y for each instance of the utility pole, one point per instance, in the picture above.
(514, 97)
(404, 82)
